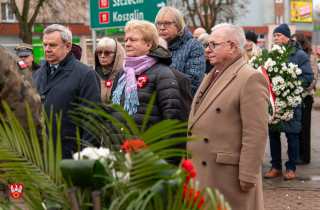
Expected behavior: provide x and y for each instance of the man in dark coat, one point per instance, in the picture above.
(291, 128)
(187, 53)
(63, 82)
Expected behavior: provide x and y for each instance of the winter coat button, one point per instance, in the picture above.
(43, 97)
(189, 133)
(218, 110)
(204, 163)
(205, 140)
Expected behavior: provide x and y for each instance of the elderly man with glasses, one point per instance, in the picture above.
(63, 82)
(187, 53)
(229, 115)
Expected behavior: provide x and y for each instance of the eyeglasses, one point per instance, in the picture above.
(165, 24)
(106, 53)
(212, 45)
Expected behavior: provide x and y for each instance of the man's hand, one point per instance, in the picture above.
(246, 186)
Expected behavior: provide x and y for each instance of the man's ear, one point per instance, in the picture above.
(233, 47)
(68, 45)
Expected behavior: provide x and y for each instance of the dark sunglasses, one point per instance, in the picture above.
(106, 53)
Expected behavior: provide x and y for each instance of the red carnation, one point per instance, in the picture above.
(221, 207)
(185, 191)
(133, 144)
(188, 166)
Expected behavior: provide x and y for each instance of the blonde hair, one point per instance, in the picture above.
(233, 33)
(147, 29)
(176, 15)
(107, 42)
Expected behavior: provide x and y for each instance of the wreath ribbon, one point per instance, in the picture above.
(272, 98)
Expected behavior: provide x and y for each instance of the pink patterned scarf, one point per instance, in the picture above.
(132, 66)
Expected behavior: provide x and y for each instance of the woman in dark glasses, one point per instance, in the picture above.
(109, 58)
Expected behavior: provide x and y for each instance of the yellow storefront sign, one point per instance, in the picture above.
(301, 11)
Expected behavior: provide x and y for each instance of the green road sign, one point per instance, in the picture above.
(116, 13)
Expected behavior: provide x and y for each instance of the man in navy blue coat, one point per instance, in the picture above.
(292, 127)
(63, 81)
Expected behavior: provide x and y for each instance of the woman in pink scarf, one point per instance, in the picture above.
(145, 71)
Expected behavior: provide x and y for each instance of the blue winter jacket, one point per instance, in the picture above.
(188, 58)
(300, 58)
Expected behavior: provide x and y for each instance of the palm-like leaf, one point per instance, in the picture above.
(153, 183)
(25, 162)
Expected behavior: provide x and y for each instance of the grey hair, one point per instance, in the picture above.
(65, 32)
(177, 18)
(203, 38)
(233, 33)
(163, 43)
(107, 42)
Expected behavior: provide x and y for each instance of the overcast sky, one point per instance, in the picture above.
(316, 2)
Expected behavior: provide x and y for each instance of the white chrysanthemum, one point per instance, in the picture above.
(298, 71)
(93, 153)
(284, 68)
(256, 65)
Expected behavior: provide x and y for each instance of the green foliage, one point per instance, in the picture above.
(151, 183)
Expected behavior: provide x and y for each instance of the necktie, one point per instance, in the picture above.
(215, 75)
(53, 69)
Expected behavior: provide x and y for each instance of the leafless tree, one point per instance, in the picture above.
(209, 12)
(29, 12)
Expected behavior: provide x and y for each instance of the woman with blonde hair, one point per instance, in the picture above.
(109, 58)
(145, 71)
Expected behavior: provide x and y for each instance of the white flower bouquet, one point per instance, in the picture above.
(286, 86)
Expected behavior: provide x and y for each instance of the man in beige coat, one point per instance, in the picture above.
(229, 115)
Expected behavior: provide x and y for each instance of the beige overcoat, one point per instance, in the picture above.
(232, 124)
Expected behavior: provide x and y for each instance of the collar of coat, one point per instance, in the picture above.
(224, 78)
(182, 39)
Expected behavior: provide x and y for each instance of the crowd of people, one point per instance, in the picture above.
(201, 78)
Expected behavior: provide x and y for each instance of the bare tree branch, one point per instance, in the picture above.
(208, 12)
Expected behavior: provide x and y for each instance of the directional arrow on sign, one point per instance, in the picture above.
(162, 4)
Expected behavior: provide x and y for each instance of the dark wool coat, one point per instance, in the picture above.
(185, 98)
(167, 103)
(188, 58)
(300, 58)
(72, 80)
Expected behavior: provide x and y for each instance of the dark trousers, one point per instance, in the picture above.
(304, 135)
(293, 150)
